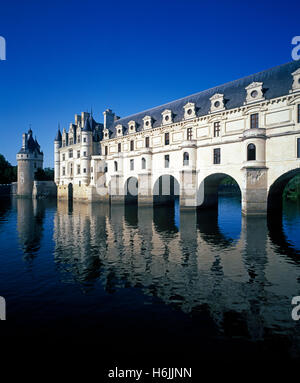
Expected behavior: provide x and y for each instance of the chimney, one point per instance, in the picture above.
(24, 141)
(109, 118)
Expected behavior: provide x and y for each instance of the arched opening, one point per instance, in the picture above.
(285, 188)
(251, 152)
(166, 190)
(219, 198)
(70, 192)
(216, 185)
(186, 159)
(143, 163)
(131, 191)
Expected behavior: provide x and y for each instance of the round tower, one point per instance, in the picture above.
(57, 146)
(86, 150)
(30, 159)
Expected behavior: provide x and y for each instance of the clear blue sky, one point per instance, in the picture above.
(64, 57)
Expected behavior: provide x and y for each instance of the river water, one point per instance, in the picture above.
(152, 280)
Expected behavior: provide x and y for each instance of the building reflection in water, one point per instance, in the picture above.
(188, 262)
(30, 217)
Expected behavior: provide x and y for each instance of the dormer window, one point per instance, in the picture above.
(106, 134)
(217, 103)
(254, 92)
(166, 117)
(189, 110)
(296, 82)
(147, 122)
(132, 126)
(119, 129)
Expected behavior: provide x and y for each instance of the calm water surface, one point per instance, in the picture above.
(143, 280)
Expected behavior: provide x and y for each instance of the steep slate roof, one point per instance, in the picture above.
(277, 82)
(58, 136)
(87, 126)
(32, 145)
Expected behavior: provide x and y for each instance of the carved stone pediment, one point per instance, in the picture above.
(217, 103)
(189, 110)
(167, 117)
(254, 92)
(296, 82)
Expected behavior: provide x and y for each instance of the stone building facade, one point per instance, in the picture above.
(30, 158)
(248, 129)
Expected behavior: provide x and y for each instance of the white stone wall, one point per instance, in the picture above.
(275, 142)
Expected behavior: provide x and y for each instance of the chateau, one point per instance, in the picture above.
(248, 129)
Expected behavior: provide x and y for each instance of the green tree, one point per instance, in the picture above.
(292, 189)
(46, 174)
(8, 173)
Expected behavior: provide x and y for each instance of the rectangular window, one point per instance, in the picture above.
(63, 157)
(217, 129)
(131, 164)
(92, 169)
(189, 134)
(64, 171)
(78, 169)
(84, 139)
(147, 142)
(64, 143)
(78, 139)
(78, 153)
(298, 114)
(167, 160)
(298, 147)
(217, 156)
(84, 154)
(254, 121)
(167, 138)
(70, 153)
(131, 145)
(71, 141)
(119, 147)
(106, 150)
(84, 170)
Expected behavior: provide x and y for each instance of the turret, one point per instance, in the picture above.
(30, 159)
(86, 148)
(57, 145)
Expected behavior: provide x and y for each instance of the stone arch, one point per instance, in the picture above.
(276, 189)
(166, 190)
(207, 193)
(131, 190)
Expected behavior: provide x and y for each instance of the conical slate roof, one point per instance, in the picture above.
(87, 126)
(58, 135)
